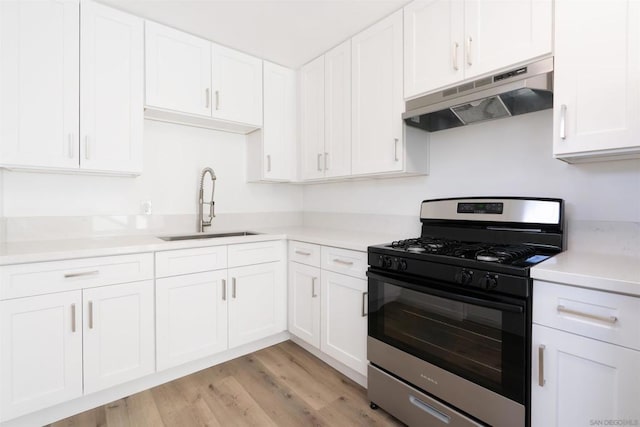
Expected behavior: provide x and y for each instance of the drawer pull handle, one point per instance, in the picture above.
(313, 287)
(299, 252)
(340, 261)
(364, 304)
(90, 315)
(73, 317)
(607, 319)
(224, 290)
(82, 273)
(541, 365)
(430, 410)
(233, 287)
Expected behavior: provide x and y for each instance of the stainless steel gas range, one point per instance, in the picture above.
(450, 312)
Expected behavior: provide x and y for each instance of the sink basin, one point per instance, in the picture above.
(206, 236)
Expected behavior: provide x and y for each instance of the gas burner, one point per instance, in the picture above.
(416, 249)
(504, 254)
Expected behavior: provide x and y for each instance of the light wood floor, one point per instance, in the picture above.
(282, 385)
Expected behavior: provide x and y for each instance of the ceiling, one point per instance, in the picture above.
(287, 32)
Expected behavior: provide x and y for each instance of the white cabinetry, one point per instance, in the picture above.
(178, 70)
(326, 114)
(71, 92)
(237, 86)
(327, 307)
(111, 89)
(257, 307)
(586, 356)
(191, 316)
(450, 41)
(193, 81)
(377, 134)
(596, 80)
(312, 119)
(118, 334)
(271, 151)
(40, 352)
(68, 327)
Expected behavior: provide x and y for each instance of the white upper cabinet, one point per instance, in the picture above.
(337, 111)
(433, 48)
(312, 119)
(190, 80)
(597, 80)
(111, 89)
(178, 70)
(72, 93)
(39, 91)
(447, 42)
(236, 86)
(377, 134)
(271, 151)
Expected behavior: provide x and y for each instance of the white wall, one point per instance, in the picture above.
(505, 157)
(174, 155)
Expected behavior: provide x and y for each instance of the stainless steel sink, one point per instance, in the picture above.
(206, 236)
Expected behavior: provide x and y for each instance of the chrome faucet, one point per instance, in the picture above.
(201, 222)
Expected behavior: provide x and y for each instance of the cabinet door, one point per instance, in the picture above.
(40, 352)
(344, 320)
(119, 343)
(312, 119)
(596, 98)
(191, 317)
(585, 381)
(257, 307)
(279, 128)
(337, 111)
(304, 302)
(39, 44)
(177, 70)
(433, 45)
(237, 86)
(111, 89)
(493, 41)
(378, 103)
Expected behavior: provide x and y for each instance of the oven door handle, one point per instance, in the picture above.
(449, 295)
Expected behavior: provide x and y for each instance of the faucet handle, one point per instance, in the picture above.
(212, 212)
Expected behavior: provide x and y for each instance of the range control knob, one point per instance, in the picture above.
(403, 265)
(489, 281)
(464, 277)
(386, 262)
(395, 264)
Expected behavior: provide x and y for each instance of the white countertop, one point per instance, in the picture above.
(607, 272)
(51, 250)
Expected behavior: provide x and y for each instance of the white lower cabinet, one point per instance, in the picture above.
(40, 352)
(257, 302)
(344, 319)
(328, 305)
(191, 317)
(118, 334)
(304, 302)
(585, 357)
(578, 381)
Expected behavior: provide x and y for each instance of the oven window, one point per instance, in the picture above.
(482, 344)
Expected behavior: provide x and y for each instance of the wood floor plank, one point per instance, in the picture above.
(314, 390)
(232, 403)
(283, 385)
(143, 411)
(117, 413)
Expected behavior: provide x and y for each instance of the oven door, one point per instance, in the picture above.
(478, 337)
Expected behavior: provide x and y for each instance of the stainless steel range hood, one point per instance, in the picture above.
(518, 91)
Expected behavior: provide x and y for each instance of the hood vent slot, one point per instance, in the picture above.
(518, 91)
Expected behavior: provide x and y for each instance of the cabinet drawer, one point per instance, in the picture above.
(304, 253)
(344, 261)
(21, 280)
(186, 261)
(255, 253)
(601, 315)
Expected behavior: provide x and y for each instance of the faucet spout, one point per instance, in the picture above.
(201, 221)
